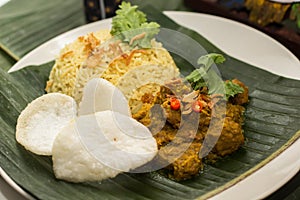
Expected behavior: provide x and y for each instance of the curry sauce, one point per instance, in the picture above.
(205, 127)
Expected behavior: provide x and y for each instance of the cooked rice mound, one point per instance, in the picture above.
(99, 55)
(142, 71)
(71, 58)
(157, 57)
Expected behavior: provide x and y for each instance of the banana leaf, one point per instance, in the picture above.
(37, 21)
(6, 61)
(272, 124)
(24, 29)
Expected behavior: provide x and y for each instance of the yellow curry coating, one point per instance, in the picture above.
(180, 146)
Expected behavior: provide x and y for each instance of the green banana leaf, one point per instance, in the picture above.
(5, 60)
(272, 124)
(23, 28)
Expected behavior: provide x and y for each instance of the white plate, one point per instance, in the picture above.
(239, 41)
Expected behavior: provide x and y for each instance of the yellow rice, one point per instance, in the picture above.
(134, 72)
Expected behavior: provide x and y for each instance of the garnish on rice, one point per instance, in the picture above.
(110, 54)
(131, 26)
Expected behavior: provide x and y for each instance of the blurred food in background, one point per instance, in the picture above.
(278, 20)
(264, 12)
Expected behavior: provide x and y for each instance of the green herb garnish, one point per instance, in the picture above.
(205, 76)
(199, 77)
(131, 26)
(209, 59)
(231, 89)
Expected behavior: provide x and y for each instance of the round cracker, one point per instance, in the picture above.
(41, 121)
(101, 145)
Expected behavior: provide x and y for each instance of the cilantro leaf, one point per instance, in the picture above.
(140, 37)
(208, 60)
(232, 89)
(131, 26)
(205, 76)
(196, 79)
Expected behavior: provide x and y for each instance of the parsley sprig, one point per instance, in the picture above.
(131, 26)
(205, 76)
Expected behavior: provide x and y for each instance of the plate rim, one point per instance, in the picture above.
(27, 195)
(14, 185)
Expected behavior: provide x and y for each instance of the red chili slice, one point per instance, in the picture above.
(174, 103)
(197, 106)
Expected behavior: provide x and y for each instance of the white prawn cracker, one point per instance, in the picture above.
(100, 95)
(41, 121)
(101, 146)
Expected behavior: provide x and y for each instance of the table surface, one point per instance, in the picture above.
(291, 191)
